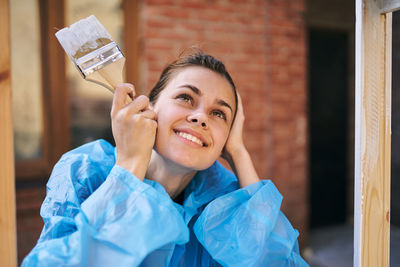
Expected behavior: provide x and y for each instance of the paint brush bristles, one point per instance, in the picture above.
(82, 34)
(91, 48)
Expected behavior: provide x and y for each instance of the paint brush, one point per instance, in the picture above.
(92, 50)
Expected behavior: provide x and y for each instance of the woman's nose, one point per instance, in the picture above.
(198, 118)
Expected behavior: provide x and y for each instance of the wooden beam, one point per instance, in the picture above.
(372, 135)
(8, 254)
(132, 44)
(56, 109)
(389, 5)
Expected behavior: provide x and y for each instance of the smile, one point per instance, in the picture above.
(190, 137)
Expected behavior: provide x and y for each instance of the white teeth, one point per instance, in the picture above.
(190, 137)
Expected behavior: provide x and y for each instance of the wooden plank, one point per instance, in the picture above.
(8, 255)
(60, 109)
(357, 135)
(132, 44)
(55, 89)
(372, 135)
(389, 5)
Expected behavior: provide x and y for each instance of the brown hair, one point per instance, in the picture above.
(198, 58)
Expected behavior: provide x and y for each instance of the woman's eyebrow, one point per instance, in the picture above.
(198, 92)
(223, 103)
(193, 88)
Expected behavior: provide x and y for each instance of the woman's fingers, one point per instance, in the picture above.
(240, 105)
(121, 92)
(139, 104)
(235, 138)
(149, 114)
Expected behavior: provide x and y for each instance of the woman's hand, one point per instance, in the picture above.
(134, 129)
(235, 144)
(235, 151)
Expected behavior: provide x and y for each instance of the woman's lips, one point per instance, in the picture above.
(191, 136)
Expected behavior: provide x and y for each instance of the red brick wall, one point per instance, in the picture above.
(287, 76)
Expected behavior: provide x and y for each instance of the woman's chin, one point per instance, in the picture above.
(191, 163)
(187, 160)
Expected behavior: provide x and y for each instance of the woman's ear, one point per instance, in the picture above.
(153, 107)
(151, 104)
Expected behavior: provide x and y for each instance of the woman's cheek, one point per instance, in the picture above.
(222, 136)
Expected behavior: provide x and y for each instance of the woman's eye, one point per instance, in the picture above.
(185, 97)
(219, 114)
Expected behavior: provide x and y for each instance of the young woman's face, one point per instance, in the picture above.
(194, 115)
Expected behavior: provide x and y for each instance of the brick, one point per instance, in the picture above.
(159, 2)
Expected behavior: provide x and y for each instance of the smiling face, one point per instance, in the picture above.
(194, 115)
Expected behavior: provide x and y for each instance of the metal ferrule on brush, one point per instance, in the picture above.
(98, 59)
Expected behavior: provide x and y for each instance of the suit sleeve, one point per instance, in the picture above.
(91, 220)
(247, 228)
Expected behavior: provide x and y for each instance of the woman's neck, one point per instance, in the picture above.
(174, 178)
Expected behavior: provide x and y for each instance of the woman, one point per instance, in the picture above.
(160, 198)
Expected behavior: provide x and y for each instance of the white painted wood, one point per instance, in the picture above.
(357, 140)
(389, 5)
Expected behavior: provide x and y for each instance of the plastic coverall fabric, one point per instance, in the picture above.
(97, 213)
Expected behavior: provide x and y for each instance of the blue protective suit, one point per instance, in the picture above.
(97, 213)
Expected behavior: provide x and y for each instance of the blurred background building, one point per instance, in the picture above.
(292, 61)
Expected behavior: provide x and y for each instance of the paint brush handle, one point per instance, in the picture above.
(109, 76)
